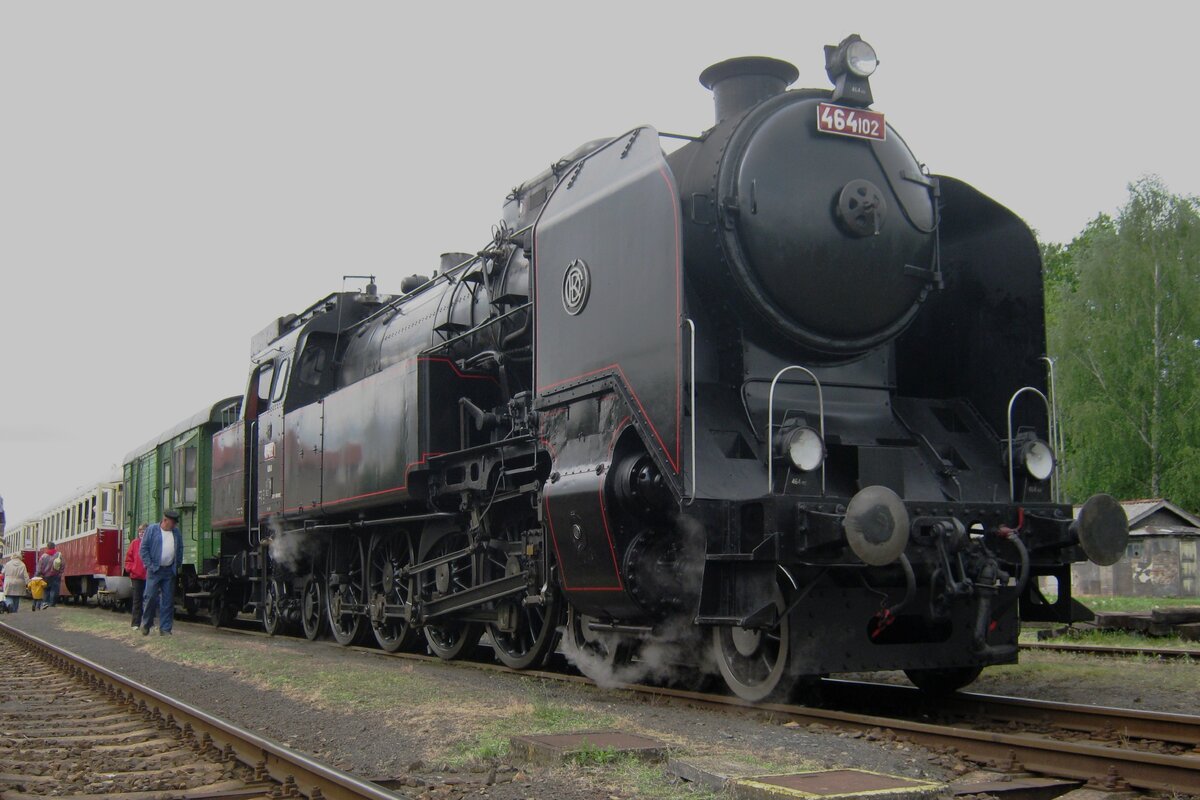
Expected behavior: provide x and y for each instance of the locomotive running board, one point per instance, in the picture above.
(476, 595)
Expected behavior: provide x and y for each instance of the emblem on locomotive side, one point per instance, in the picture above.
(577, 285)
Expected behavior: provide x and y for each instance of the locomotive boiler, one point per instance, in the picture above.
(775, 399)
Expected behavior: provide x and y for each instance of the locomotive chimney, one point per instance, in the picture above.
(742, 83)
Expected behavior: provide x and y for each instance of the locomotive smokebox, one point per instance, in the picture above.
(739, 84)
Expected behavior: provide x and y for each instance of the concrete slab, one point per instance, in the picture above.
(1022, 788)
(836, 784)
(1098, 794)
(559, 747)
(713, 775)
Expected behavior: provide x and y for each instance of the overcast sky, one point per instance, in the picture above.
(173, 176)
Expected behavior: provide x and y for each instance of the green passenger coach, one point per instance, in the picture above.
(173, 470)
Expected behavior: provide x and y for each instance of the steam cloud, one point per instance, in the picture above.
(292, 550)
(679, 653)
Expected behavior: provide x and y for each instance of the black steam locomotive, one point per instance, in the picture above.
(777, 396)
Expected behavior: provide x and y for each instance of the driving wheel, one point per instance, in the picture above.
(390, 590)
(345, 589)
(449, 639)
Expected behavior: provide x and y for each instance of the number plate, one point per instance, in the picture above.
(855, 122)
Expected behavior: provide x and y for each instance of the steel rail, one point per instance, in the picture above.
(310, 777)
(1040, 754)
(1118, 722)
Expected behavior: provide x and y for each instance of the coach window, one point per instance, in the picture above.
(166, 485)
(185, 469)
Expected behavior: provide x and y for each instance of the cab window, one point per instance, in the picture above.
(280, 381)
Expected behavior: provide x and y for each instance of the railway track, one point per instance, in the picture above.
(1106, 747)
(1109, 747)
(1164, 653)
(75, 729)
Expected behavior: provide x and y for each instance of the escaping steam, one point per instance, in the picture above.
(679, 652)
(292, 550)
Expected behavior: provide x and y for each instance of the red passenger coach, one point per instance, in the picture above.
(91, 557)
(85, 529)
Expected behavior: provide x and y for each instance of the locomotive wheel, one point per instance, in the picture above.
(596, 651)
(272, 616)
(388, 555)
(345, 589)
(527, 634)
(942, 681)
(533, 634)
(450, 640)
(754, 663)
(312, 607)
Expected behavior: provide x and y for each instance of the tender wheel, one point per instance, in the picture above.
(221, 610)
(450, 639)
(312, 607)
(753, 662)
(599, 655)
(388, 587)
(272, 614)
(345, 589)
(943, 681)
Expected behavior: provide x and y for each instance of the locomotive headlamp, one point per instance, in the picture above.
(861, 59)
(849, 64)
(1038, 459)
(804, 447)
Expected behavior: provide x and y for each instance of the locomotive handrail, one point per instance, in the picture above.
(771, 425)
(395, 303)
(1012, 472)
(692, 390)
(486, 323)
(1056, 437)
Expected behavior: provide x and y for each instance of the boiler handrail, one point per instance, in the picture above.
(771, 423)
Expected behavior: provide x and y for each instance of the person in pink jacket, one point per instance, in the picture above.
(136, 571)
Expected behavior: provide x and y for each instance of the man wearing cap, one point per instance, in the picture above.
(162, 554)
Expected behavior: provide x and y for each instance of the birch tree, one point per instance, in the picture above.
(1124, 316)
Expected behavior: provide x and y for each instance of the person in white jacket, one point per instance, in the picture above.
(16, 579)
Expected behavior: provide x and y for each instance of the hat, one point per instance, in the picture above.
(171, 514)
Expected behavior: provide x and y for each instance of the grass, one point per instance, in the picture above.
(641, 779)
(1112, 639)
(1105, 676)
(350, 687)
(1136, 603)
(589, 755)
(539, 717)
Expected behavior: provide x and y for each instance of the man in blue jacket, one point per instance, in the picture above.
(162, 553)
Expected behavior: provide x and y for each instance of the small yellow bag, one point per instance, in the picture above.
(37, 588)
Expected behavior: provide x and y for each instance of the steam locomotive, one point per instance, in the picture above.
(776, 400)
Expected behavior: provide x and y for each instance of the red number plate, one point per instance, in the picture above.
(855, 122)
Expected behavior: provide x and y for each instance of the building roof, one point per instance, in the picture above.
(1158, 516)
(1140, 511)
